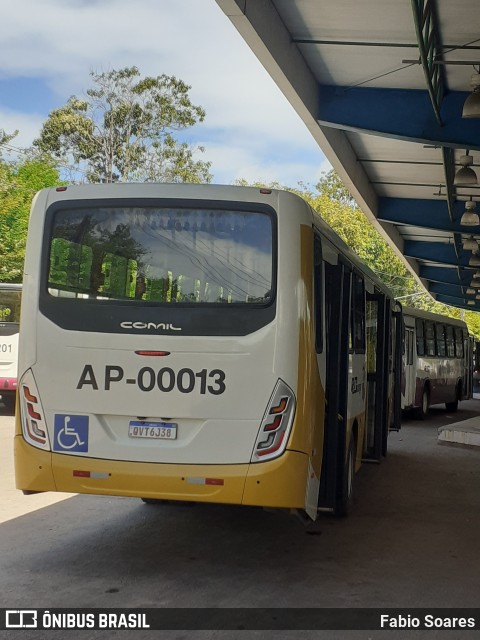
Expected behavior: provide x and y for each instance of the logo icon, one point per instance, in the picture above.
(21, 619)
(70, 433)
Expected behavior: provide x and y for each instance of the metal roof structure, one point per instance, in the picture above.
(381, 86)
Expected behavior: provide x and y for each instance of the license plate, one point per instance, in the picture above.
(153, 430)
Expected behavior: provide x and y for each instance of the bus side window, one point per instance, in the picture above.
(450, 342)
(430, 338)
(358, 314)
(420, 337)
(458, 342)
(440, 339)
(318, 292)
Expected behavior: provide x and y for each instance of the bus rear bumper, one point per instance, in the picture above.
(277, 483)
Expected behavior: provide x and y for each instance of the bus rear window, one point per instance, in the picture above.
(10, 300)
(162, 254)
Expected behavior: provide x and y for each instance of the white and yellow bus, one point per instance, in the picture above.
(200, 343)
(10, 303)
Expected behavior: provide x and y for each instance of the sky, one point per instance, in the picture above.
(48, 49)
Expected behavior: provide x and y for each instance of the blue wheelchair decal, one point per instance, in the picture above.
(70, 433)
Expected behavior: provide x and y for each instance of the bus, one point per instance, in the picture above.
(437, 362)
(10, 301)
(200, 343)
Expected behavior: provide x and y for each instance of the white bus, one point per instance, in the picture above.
(437, 361)
(200, 343)
(10, 302)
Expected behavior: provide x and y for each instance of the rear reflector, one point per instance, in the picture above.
(90, 474)
(211, 481)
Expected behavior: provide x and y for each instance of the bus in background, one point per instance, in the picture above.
(200, 343)
(10, 301)
(437, 361)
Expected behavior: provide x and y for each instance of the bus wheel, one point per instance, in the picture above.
(345, 499)
(425, 406)
(9, 402)
(453, 406)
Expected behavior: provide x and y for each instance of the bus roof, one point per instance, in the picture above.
(435, 317)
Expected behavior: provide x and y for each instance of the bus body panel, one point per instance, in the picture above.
(114, 386)
(277, 483)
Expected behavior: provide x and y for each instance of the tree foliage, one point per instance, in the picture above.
(123, 130)
(19, 181)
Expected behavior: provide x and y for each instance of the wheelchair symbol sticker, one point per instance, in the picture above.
(70, 433)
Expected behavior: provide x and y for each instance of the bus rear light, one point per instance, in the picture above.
(274, 449)
(31, 414)
(280, 408)
(274, 425)
(28, 395)
(274, 432)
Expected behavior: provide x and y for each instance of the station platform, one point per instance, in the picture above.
(464, 434)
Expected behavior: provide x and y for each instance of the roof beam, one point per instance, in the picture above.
(428, 40)
(435, 252)
(446, 275)
(393, 45)
(403, 114)
(458, 302)
(447, 290)
(428, 214)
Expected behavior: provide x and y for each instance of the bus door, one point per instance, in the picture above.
(338, 286)
(396, 373)
(410, 368)
(378, 357)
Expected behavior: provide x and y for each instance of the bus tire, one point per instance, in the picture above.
(9, 402)
(346, 494)
(425, 405)
(453, 406)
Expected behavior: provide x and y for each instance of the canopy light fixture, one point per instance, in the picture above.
(477, 297)
(470, 291)
(470, 218)
(474, 260)
(471, 303)
(465, 176)
(471, 108)
(470, 244)
(475, 283)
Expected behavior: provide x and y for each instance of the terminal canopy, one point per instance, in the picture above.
(391, 92)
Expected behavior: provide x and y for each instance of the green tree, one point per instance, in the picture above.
(123, 130)
(19, 181)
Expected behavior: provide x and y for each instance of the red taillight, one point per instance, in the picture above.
(32, 413)
(33, 424)
(276, 424)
